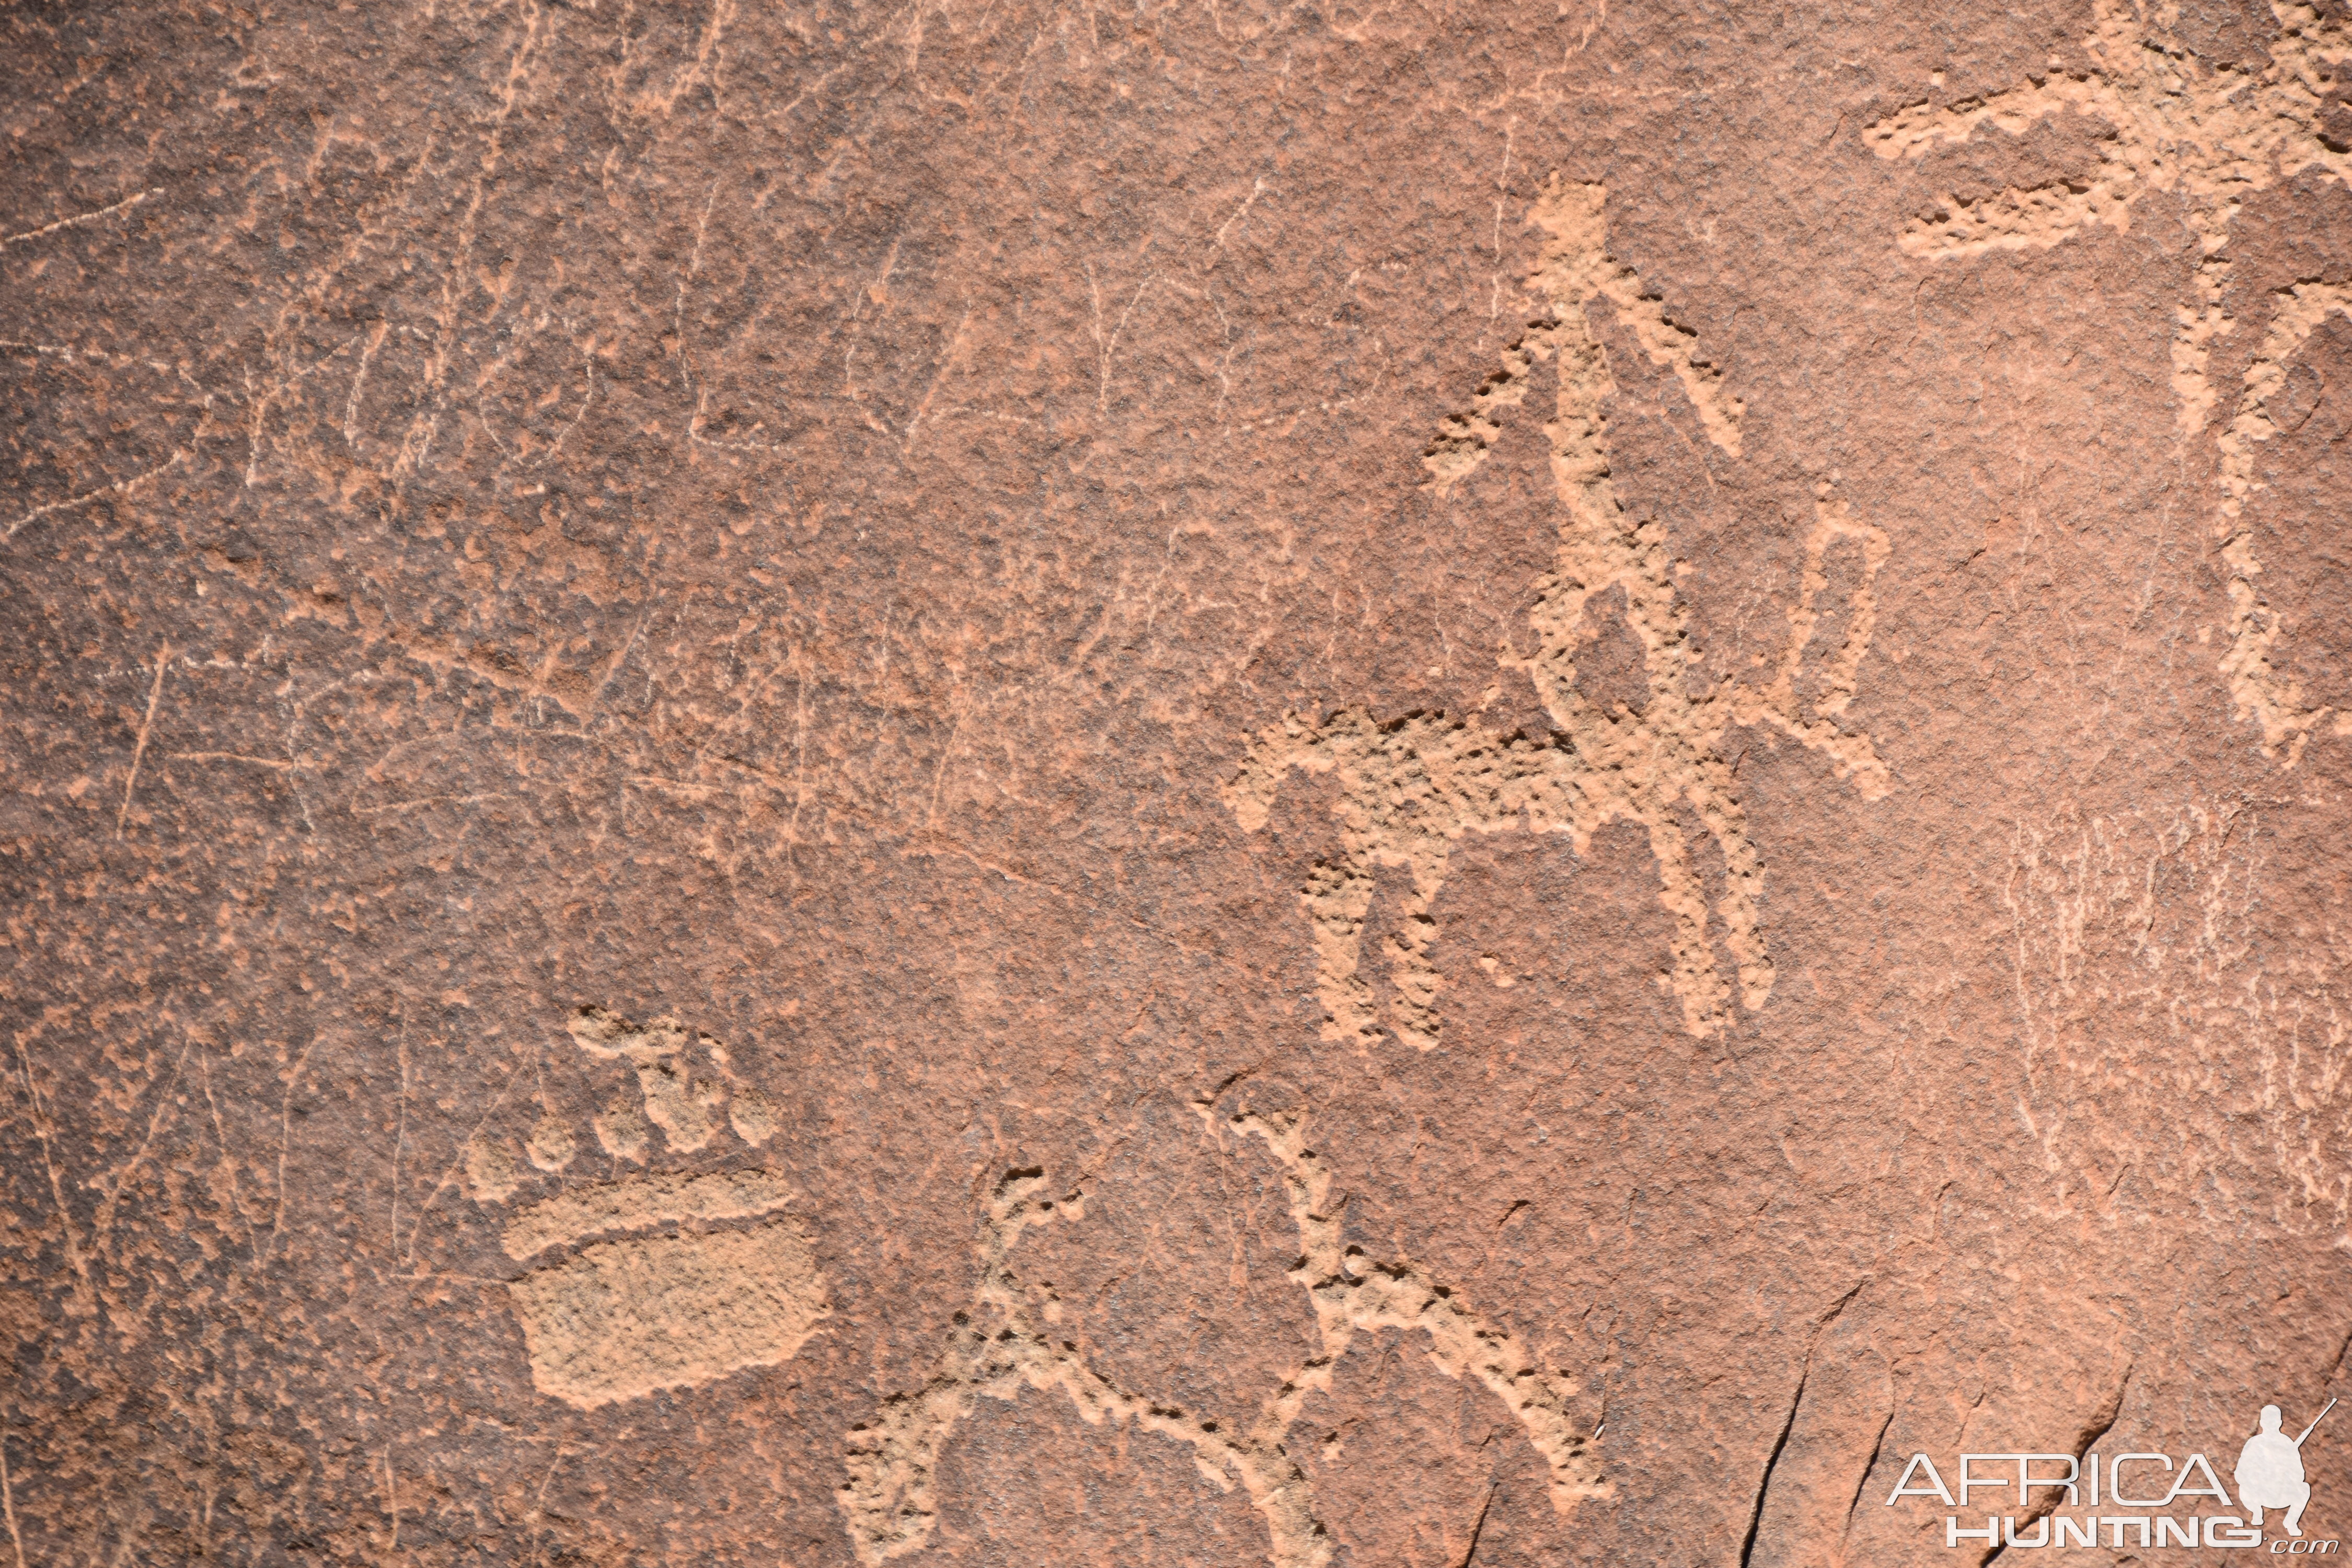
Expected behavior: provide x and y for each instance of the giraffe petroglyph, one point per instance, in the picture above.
(2213, 135)
(1014, 1335)
(1410, 787)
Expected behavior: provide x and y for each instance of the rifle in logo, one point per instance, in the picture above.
(2269, 1470)
(2269, 1475)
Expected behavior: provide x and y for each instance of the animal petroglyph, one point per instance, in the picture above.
(649, 1286)
(2213, 135)
(1010, 1338)
(2274, 701)
(1410, 787)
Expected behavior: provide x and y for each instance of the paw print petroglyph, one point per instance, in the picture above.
(2213, 135)
(1008, 1340)
(1409, 787)
(650, 1280)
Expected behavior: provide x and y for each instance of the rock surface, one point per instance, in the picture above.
(1341, 786)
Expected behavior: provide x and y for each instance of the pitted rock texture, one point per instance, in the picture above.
(1338, 786)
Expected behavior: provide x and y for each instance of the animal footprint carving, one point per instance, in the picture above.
(651, 1280)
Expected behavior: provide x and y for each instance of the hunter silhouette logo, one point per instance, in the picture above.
(2269, 1470)
(2045, 1489)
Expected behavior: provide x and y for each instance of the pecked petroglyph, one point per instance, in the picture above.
(1410, 787)
(551, 1146)
(2261, 692)
(1576, 267)
(683, 1117)
(622, 1320)
(1010, 1338)
(641, 1203)
(2212, 134)
(641, 1306)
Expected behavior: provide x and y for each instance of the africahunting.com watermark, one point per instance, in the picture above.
(2125, 1499)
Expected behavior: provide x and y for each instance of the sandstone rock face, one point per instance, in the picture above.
(1341, 786)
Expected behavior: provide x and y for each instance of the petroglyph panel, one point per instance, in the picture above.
(1355, 785)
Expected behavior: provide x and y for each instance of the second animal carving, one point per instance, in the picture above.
(1411, 788)
(2213, 136)
(1012, 1336)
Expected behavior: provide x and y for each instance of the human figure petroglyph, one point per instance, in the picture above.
(2213, 135)
(1410, 787)
(1014, 1336)
(645, 1282)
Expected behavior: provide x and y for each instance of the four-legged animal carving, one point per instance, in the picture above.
(2213, 135)
(1012, 1337)
(1410, 787)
